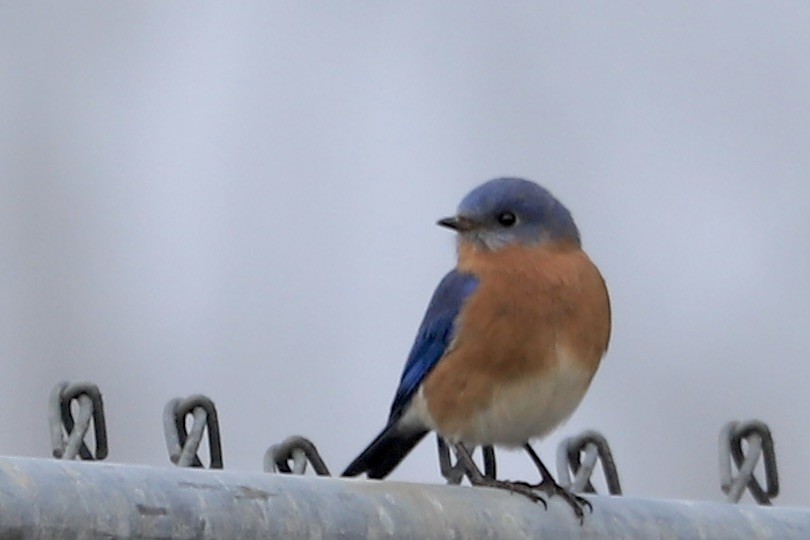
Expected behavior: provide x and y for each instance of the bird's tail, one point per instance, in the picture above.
(385, 452)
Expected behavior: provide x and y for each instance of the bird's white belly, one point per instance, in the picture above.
(527, 409)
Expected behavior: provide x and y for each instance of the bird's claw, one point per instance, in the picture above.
(578, 504)
(548, 485)
(522, 488)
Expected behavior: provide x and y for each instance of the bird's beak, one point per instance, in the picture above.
(458, 223)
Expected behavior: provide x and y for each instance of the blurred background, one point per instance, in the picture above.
(239, 200)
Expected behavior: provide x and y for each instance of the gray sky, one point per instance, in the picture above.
(240, 200)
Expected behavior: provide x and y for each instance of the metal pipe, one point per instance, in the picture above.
(41, 498)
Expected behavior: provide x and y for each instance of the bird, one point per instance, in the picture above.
(510, 342)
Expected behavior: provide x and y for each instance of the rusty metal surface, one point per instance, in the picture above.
(68, 499)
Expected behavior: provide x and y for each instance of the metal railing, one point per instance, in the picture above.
(69, 499)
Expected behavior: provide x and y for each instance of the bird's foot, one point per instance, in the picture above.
(551, 488)
(547, 486)
(522, 488)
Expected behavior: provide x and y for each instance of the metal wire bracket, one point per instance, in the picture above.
(72, 407)
(183, 444)
(454, 474)
(759, 442)
(301, 451)
(67, 432)
(579, 455)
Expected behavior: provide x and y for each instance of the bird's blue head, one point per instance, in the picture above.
(508, 211)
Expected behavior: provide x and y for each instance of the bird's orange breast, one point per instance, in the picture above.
(528, 342)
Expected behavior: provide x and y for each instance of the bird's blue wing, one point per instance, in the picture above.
(435, 334)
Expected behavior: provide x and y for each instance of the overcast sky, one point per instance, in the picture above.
(240, 200)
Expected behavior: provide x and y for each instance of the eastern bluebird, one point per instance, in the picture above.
(511, 339)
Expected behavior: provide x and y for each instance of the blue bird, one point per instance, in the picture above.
(510, 341)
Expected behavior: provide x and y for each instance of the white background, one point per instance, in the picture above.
(240, 200)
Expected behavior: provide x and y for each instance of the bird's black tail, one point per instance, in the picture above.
(385, 452)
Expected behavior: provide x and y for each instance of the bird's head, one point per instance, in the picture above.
(512, 211)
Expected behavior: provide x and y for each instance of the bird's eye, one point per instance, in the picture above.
(507, 219)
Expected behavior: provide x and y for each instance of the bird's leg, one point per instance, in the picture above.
(551, 487)
(477, 478)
